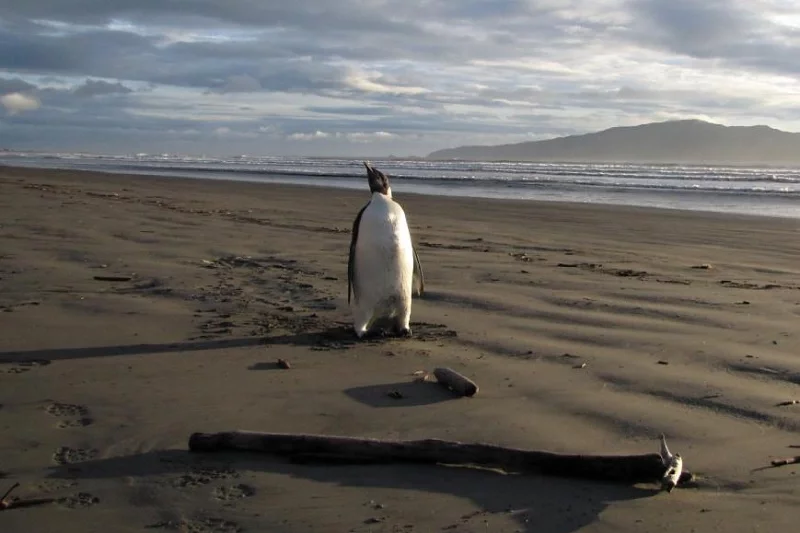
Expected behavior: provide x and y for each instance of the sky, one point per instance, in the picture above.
(382, 77)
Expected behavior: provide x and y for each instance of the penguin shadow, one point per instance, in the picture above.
(400, 394)
(342, 336)
(535, 503)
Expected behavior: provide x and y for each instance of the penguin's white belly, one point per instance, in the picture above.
(384, 261)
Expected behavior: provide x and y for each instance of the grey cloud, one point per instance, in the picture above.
(99, 87)
(14, 85)
(700, 29)
(126, 56)
(307, 14)
(240, 83)
(350, 110)
(98, 53)
(731, 30)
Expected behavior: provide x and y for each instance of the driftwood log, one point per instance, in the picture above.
(350, 450)
(461, 385)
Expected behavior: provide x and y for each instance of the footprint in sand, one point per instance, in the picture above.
(78, 501)
(49, 486)
(24, 366)
(203, 525)
(65, 455)
(203, 475)
(76, 415)
(77, 423)
(233, 492)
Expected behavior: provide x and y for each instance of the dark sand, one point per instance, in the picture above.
(102, 382)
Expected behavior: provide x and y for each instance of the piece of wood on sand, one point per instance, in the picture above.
(783, 462)
(459, 384)
(113, 278)
(350, 450)
(8, 504)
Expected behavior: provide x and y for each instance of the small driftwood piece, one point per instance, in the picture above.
(6, 504)
(783, 462)
(113, 278)
(461, 385)
(349, 450)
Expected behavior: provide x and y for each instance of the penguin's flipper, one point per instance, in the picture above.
(418, 286)
(351, 261)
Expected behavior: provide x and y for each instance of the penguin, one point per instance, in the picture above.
(383, 270)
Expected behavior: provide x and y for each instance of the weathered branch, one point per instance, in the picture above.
(6, 504)
(783, 462)
(113, 278)
(305, 447)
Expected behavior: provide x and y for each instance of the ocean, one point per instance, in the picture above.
(763, 191)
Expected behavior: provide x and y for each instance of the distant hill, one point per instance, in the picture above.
(677, 141)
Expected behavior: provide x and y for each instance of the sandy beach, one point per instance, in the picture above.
(590, 329)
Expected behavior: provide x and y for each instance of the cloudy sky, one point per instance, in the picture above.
(379, 77)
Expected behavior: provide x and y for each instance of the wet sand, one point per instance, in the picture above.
(102, 382)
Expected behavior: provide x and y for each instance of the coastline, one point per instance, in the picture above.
(721, 191)
(103, 382)
(226, 184)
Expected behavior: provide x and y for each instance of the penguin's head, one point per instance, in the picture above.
(378, 181)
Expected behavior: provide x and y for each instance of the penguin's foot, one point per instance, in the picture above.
(404, 332)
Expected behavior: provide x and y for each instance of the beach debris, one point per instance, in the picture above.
(6, 504)
(744, 302)
(663, 362)
(674, 465)
(458, 383)
(283, 363)
(420, 376)
(396, 394)
(788, 461)
(704, 266)
(113, 278)
(582, 365)
(572, 356)
(375, 505)
(787, 402)
(310, 448)
(521, 256)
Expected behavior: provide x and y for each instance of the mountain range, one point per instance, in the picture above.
(675, 141)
